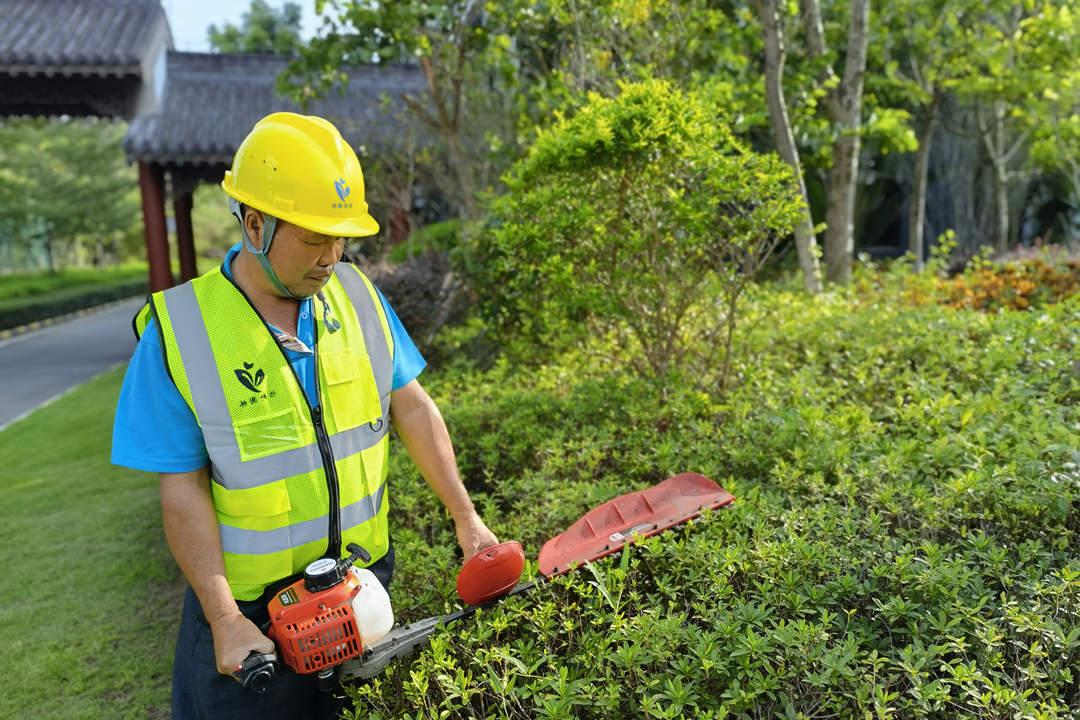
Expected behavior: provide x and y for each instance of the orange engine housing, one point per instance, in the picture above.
(318, 630)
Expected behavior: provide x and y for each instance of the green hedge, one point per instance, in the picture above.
(437, 237)
(904, 543)
(22, 311)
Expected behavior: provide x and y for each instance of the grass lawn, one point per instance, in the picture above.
(91, 603)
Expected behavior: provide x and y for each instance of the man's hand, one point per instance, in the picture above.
(473, 535)
(234, 638)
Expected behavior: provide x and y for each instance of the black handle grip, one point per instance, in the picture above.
(358, 553)
(257, 671)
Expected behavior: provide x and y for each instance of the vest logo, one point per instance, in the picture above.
(246, 379)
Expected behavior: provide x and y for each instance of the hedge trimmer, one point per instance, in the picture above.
(319, 622)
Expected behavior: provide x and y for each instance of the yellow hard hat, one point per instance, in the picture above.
(299, 169)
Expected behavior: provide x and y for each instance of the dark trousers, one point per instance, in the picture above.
(201, 693)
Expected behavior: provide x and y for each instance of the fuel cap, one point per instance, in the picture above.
(491, 573)
(323, 573)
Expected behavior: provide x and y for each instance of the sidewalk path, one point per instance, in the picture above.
(39, 366)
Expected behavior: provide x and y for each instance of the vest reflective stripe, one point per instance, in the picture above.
(260, 471)
(264, 542)
(382, 363)
(208, 396)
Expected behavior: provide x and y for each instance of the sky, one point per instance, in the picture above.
(189, 19)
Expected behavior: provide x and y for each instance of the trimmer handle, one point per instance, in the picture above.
(357, 553)
(257, 671)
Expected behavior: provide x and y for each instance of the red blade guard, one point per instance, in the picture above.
(606, 529)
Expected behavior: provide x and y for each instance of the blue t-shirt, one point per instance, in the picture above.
(155, 430)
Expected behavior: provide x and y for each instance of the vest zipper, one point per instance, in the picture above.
(333, 542)
(333, 548)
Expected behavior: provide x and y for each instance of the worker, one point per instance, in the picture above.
(262, 393)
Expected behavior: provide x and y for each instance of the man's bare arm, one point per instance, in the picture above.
(421, 427)
(191, 529)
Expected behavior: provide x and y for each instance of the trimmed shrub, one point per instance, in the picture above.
(903, 544)
(640, 218)
(1030, 283)
(23, 311)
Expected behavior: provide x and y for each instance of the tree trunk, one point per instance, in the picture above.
(917, 211)
(805, 242)
(840, 208)
(1001, 209)
(845, 110)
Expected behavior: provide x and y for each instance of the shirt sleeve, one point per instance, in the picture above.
(408, 362)
(154, 429)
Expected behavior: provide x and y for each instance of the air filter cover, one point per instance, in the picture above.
(491, 573)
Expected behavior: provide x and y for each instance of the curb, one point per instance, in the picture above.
(39, 324)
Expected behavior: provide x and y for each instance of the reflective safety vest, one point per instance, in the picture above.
(290, 483)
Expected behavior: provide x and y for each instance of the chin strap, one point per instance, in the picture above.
(269, 225)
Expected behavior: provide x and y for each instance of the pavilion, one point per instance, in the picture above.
(188, 112)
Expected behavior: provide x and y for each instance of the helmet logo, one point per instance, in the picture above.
(342, 189)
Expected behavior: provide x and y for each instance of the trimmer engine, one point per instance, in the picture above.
(324, 619)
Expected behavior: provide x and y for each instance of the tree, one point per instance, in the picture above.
(47, 179)
(924, 49)
(843, 102)
(496, 73)
(1021, 83)
(1056, 139)
(775, 56)
(451, 45)
(262, 29)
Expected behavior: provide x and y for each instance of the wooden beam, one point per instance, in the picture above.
(185, 237)
(151, 188)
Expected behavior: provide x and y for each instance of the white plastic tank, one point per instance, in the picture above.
(371, 606)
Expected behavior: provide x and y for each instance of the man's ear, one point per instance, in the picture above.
(253, 224)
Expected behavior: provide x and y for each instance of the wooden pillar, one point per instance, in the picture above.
(185, 238)
(151, 187)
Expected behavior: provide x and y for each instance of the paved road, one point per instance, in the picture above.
(37, 367)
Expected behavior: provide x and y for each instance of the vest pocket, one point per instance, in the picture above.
(255, 534)
(263, 501)
(268, 434)
(350, 388)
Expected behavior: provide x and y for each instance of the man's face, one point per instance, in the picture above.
(303, 260)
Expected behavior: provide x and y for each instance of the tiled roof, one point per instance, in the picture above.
(71, 34)
(212, 100)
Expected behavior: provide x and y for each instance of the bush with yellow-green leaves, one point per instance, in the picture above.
(904, 543)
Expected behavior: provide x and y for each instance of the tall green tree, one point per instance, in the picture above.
(1021, 82)
(72, 176)
(262, 29)
(1055, 105)
(498, 72)
(923, 46)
